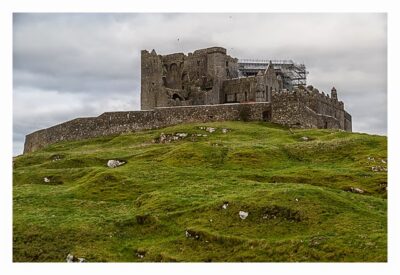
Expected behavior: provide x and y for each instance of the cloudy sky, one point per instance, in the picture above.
(75, 65)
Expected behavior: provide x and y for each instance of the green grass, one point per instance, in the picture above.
(297, 194)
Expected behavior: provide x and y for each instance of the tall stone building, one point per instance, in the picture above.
(204, 77)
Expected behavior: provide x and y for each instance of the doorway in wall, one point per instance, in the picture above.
(266, 115)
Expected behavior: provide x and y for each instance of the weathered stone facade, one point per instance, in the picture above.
(257, 88)
(181, 80)
(122, 122)
(200, 87)
(308, 108)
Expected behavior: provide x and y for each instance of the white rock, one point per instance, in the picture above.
(224, 131)
(210, 129)
(112, 163)
(187, 234)
(225, 206)
(70, 258)
(182, 135)
(163, 137)
(357, 190)
(304, 138)
(243, 215)
(46, 179)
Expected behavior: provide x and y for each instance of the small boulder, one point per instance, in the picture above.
(210, 129)
(304, 138)
(163, 138)
(224, 130)
(356, 190)
(243, 215)
(112, 163)
(81, 260)
(225, 205)
(181, 135)
(46, 179)
(70, 258)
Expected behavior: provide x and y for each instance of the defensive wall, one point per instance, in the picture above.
(113, 123)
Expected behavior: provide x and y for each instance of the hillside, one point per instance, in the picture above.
(310, 195)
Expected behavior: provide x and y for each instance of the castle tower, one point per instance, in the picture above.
(151, 80)
(334, 93)
(217, 66)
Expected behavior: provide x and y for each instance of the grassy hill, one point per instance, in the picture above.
(299, 188)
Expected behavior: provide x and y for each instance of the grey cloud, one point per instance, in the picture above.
(85, 64)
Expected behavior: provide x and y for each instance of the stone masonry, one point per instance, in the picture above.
(204, 86)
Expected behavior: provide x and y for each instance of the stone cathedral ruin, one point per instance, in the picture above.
(209, 85)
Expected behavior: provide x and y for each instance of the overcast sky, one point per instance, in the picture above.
(74, 65)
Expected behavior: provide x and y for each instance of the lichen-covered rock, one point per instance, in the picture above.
(72, 259)
(356, 190)
(112, 163)
(210, 129)
(243, 215)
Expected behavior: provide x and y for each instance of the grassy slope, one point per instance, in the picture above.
(146, 206)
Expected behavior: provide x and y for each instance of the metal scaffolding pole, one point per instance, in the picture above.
(293, 74)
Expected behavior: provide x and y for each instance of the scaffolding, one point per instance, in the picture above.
(292, 74)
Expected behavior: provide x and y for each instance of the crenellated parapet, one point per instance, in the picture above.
(308, 107)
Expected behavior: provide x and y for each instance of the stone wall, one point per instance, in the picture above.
(121, 122)
(305, 109)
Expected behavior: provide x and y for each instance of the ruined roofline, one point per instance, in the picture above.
(208, 50)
